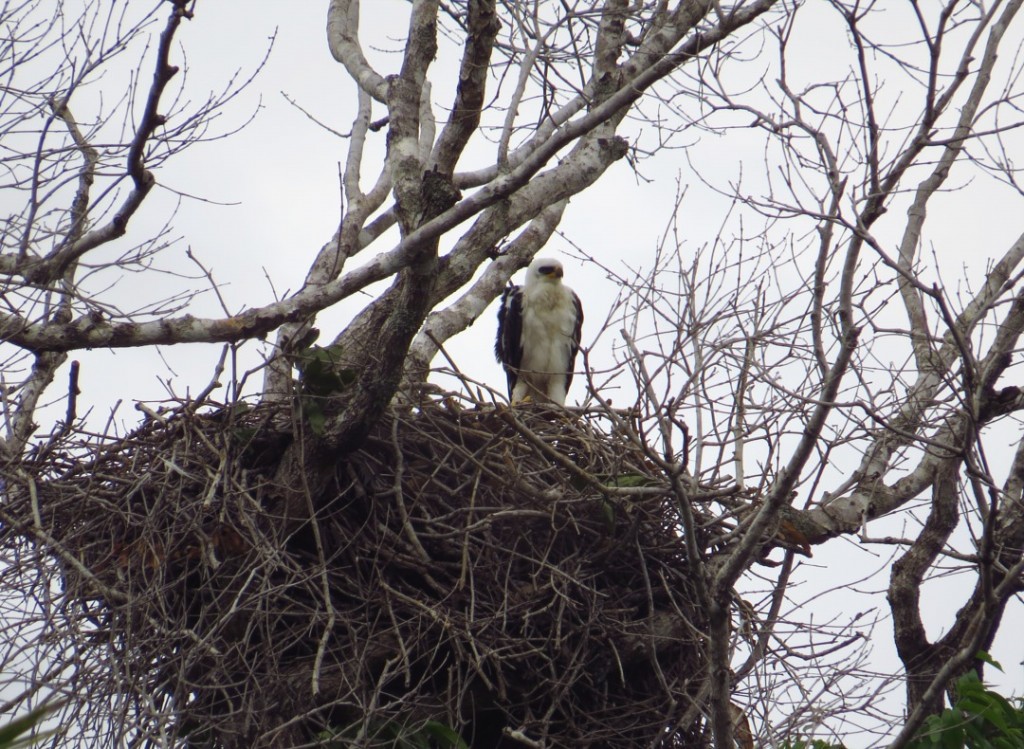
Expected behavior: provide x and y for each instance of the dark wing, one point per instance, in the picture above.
(577, 333)
(508, 346)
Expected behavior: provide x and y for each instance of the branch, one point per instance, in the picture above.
(956, 664)
(848, 512)
(918, 657)
(64, 254)
(929, 186)
(482, 27)
(779, 494)
(343, 40)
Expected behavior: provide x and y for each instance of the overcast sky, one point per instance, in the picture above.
(261, 203)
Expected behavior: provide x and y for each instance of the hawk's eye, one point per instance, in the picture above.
(546, 270)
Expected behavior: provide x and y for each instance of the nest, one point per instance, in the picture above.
(462, 573)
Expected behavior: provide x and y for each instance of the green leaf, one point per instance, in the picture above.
(975, 704)
(243, 435)
(981, 655)
(608, 511)
(630, 479)
(315, 416)
(9, 734)
(980, 719)
(320, 372)
(444, 735)
(951, 740)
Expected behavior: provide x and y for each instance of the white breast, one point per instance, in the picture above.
(549, 320)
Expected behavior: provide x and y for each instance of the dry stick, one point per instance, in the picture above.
(399, 468)
(653, 650)
(465, 536)
(214, 382)
(326, 588)
(771, 618)
(739, 424)
(508, 416)
(142, 179)
(109, 593)
(517, 735)
(73, 393)
(673, 470)
(715, 602)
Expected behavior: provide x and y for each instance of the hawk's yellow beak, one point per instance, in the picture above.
(551, 271)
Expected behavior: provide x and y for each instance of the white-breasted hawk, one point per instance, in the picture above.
(539, 326)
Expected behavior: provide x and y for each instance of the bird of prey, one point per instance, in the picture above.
(539, 326)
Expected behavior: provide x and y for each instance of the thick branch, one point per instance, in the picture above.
(482, 27)
(343, 40)
(846, 513)
(919, 659)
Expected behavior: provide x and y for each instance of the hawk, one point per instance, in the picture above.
(539, 325)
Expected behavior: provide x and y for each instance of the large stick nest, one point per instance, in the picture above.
(464, 569)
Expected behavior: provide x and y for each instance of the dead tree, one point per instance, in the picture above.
(356, 555)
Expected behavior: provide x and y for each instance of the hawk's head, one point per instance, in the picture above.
(544, 269)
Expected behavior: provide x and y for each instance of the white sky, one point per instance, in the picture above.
(272, 193)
